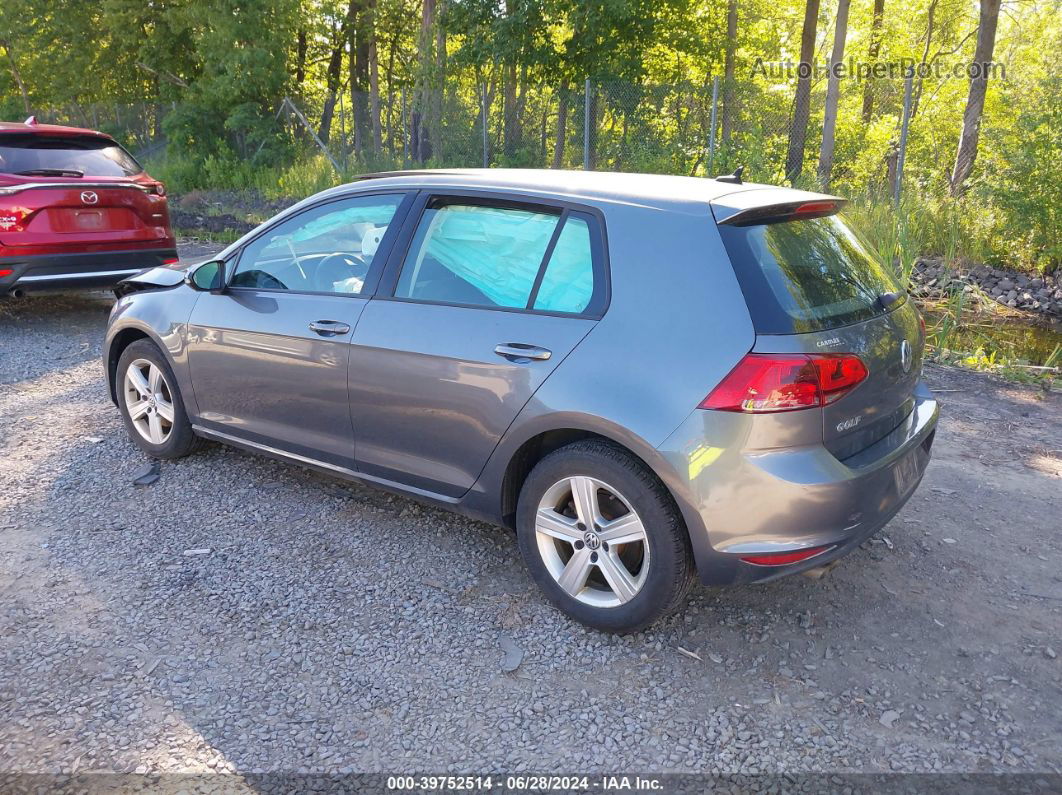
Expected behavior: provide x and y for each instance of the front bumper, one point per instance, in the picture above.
(739, 501)
(78, 270)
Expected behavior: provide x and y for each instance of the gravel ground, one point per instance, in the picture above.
(244, 615)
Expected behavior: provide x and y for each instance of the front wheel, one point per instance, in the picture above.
(603, 538)
(151, 403)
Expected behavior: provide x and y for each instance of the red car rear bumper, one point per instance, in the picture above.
(77, 270)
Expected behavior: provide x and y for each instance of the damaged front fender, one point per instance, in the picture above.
(163, 277)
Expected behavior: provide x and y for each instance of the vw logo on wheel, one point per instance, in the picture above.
(89, 196)
(906, 356)
(592, 540)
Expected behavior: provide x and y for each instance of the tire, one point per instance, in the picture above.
(659, 566)
(176, 437)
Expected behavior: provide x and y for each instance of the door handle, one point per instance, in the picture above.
(329, 328)
(521, 352)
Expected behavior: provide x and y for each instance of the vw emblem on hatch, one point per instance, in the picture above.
(905, 356)
(592, 540)
(89, 196)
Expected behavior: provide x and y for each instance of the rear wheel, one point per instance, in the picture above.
(151, 403)
(603, 538)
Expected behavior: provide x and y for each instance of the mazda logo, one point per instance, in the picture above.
(906, 356)
(89, 196)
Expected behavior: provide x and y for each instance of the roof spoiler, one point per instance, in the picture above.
(786, 211)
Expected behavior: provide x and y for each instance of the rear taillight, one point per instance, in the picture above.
(785, 558)
(766, 382)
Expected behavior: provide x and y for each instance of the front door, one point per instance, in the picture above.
(489, 300)
(268, 356)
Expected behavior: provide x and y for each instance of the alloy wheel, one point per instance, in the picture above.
(592, 542)
(149, 401)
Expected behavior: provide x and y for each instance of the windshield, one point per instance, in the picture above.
(806, 275)
(65, 156)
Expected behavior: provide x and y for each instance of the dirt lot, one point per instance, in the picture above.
(244, 615)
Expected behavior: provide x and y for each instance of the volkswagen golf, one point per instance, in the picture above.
(652, 379)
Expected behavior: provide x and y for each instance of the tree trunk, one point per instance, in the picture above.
(510, 132)
(833, 94)
(798, 133)
(391, 91)
(335, 64)
(916, 93)
(439, 74)
(729, 87)
(872, 57)
(562, 125)
(975, 102)
(17, 75)
(360, 36)
(300, 58)
(374, 78)
(422, 99)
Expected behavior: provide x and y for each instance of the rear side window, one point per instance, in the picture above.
(568, 282)
(806, 275)
(503, 256)
(65, 156)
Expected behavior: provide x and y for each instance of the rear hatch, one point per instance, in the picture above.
(814, 287)
(76, 190)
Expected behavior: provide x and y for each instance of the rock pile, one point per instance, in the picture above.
(931, 277)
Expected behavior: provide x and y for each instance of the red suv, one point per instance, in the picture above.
(76, 210)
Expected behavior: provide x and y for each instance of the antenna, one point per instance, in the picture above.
(31, 121)
(735, 178)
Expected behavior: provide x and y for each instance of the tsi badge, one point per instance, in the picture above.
(848, 424)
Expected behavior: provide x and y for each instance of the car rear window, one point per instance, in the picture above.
(806, 275)
(59, 156)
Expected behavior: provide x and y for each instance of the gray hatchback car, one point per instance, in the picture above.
(651, 378)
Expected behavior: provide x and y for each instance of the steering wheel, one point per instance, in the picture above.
(342, 265)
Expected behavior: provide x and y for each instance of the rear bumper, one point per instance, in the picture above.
(65, 271)
(738, 501)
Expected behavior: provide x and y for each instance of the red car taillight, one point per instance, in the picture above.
(765, 382)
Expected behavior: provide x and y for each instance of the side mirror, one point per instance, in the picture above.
(208, 277)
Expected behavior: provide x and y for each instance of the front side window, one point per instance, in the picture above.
(326, 249)
(507, 257)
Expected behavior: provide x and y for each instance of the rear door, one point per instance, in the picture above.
(490, 296)
(83, 191)
(813, 286)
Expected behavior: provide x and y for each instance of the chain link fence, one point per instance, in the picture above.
(696, 129)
